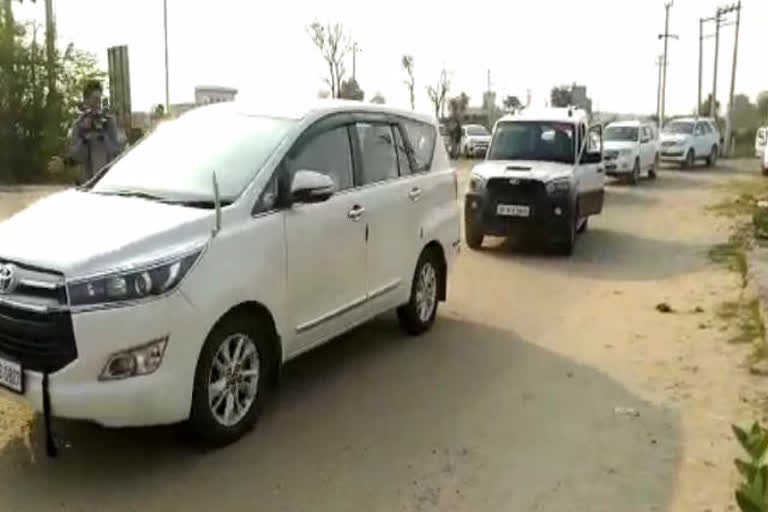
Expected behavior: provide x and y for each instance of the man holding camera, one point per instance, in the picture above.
(96, 139)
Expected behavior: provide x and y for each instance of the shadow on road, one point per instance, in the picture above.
(465, 418)
(608, 254)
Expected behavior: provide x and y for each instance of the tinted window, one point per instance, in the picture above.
(679, 127)
(476, 130)
(422, 137)
(620, 133)
(328, 153)
(534, 140)
(402, 153)
(377, 146)
(707, 128)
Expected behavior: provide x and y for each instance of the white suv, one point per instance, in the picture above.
(631, 148)
(686, 140)
(542, 176)
(162, 292)
(474, 140)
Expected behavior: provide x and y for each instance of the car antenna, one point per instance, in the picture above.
(216, 205)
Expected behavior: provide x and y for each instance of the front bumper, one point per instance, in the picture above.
(477, 149)
(672, 154)
(618, 167)
(162, 397)
(548, 216)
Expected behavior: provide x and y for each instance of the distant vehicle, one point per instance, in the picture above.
(689, 139)
(761, 137)
(186, 297)
(542, 174)
(475, 139)
(631, 148)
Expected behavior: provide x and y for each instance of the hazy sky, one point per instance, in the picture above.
(608, 45)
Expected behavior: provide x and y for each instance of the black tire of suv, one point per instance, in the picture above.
(474, 235)
(712, 158)
(407, 314)
(653, 171)
(690, 159)
(635, 176)
(566, 246)
(203, 426)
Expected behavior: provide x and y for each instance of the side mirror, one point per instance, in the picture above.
(311, 187)
(593, 153)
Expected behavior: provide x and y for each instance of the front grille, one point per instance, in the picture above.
(668, 143)
(611, 154)
(39, 341)
(523, 192)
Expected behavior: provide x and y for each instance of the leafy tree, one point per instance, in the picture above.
(350, 90)
(438, 93)
(334, 45)
(379, 99)
(704, 108)
(512, 103)
(561, 96)
(410, 82)
(457, 107)
(744, 115)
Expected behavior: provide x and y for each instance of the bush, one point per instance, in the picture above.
(752, 493)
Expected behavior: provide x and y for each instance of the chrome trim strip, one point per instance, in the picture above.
(385, 289)
(328, 316)
(33, 283)
(345, 309)
(30, 307)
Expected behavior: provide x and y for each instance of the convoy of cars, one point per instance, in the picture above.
(271, 231)
(630, 149)
(686, 140)
(148, 297)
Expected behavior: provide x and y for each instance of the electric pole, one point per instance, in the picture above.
(659, 64)
(666, 36)
(355, 49)
(165, 31)
(729, 119)
(713, 100)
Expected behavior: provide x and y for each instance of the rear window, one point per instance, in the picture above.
(422, 138)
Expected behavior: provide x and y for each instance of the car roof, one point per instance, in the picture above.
(632, 124)
(691, 120)
(298, 110)
(565, 115)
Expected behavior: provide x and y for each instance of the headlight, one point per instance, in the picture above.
(625, 152)
(141, 283)
(560, 186)
(476, 183)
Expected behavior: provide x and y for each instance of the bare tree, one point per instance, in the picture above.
(407, 63)
(334, 45)
(437, 94)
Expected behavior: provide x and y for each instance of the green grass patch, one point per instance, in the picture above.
(733, 255)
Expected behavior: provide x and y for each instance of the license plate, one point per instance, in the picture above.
(513, 210)
(11, 375)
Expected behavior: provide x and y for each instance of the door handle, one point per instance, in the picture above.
(414, 194)
(356, 212)
(599, 170)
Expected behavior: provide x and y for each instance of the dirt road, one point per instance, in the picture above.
(508, 404)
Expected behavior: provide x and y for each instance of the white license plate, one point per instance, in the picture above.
(513, 210)
(11, 375)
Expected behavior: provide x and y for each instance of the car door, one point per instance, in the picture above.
(700, 140)
(647, 148)
(325, 241)
(391, 198)
(591, 176)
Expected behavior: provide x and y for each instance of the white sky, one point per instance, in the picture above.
(263, 50)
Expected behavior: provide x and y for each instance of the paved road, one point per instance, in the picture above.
(508, 404)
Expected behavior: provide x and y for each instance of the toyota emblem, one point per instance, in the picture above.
(514, 181)
(8, 279)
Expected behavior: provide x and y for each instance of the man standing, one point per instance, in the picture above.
(96, 140)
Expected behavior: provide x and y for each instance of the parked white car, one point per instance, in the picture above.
(475, 139)
(686, 140)
(151, 296)
(631, 149)
(761, 137)
(542, 176)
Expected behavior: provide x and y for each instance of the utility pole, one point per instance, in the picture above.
(713, 100)
(702, 37)
(659, 64)
(167, 86)
(729, 119)
(50, 48)
(666, 36)
(355, 49)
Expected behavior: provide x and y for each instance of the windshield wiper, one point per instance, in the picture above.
(208, 204)
(132, 193)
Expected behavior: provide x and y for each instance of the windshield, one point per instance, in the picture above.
(176, 162)
(679, 128)
(477, 131)
(621, 133)
(537, 140)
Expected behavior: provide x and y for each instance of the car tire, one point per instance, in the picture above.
(712, 158)
(634, 178)
(418, 314)
(474, 235)
(653, 171)
(566, 246)
(690, 159)
(583, 226)
(209, 419)
(765, 170)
